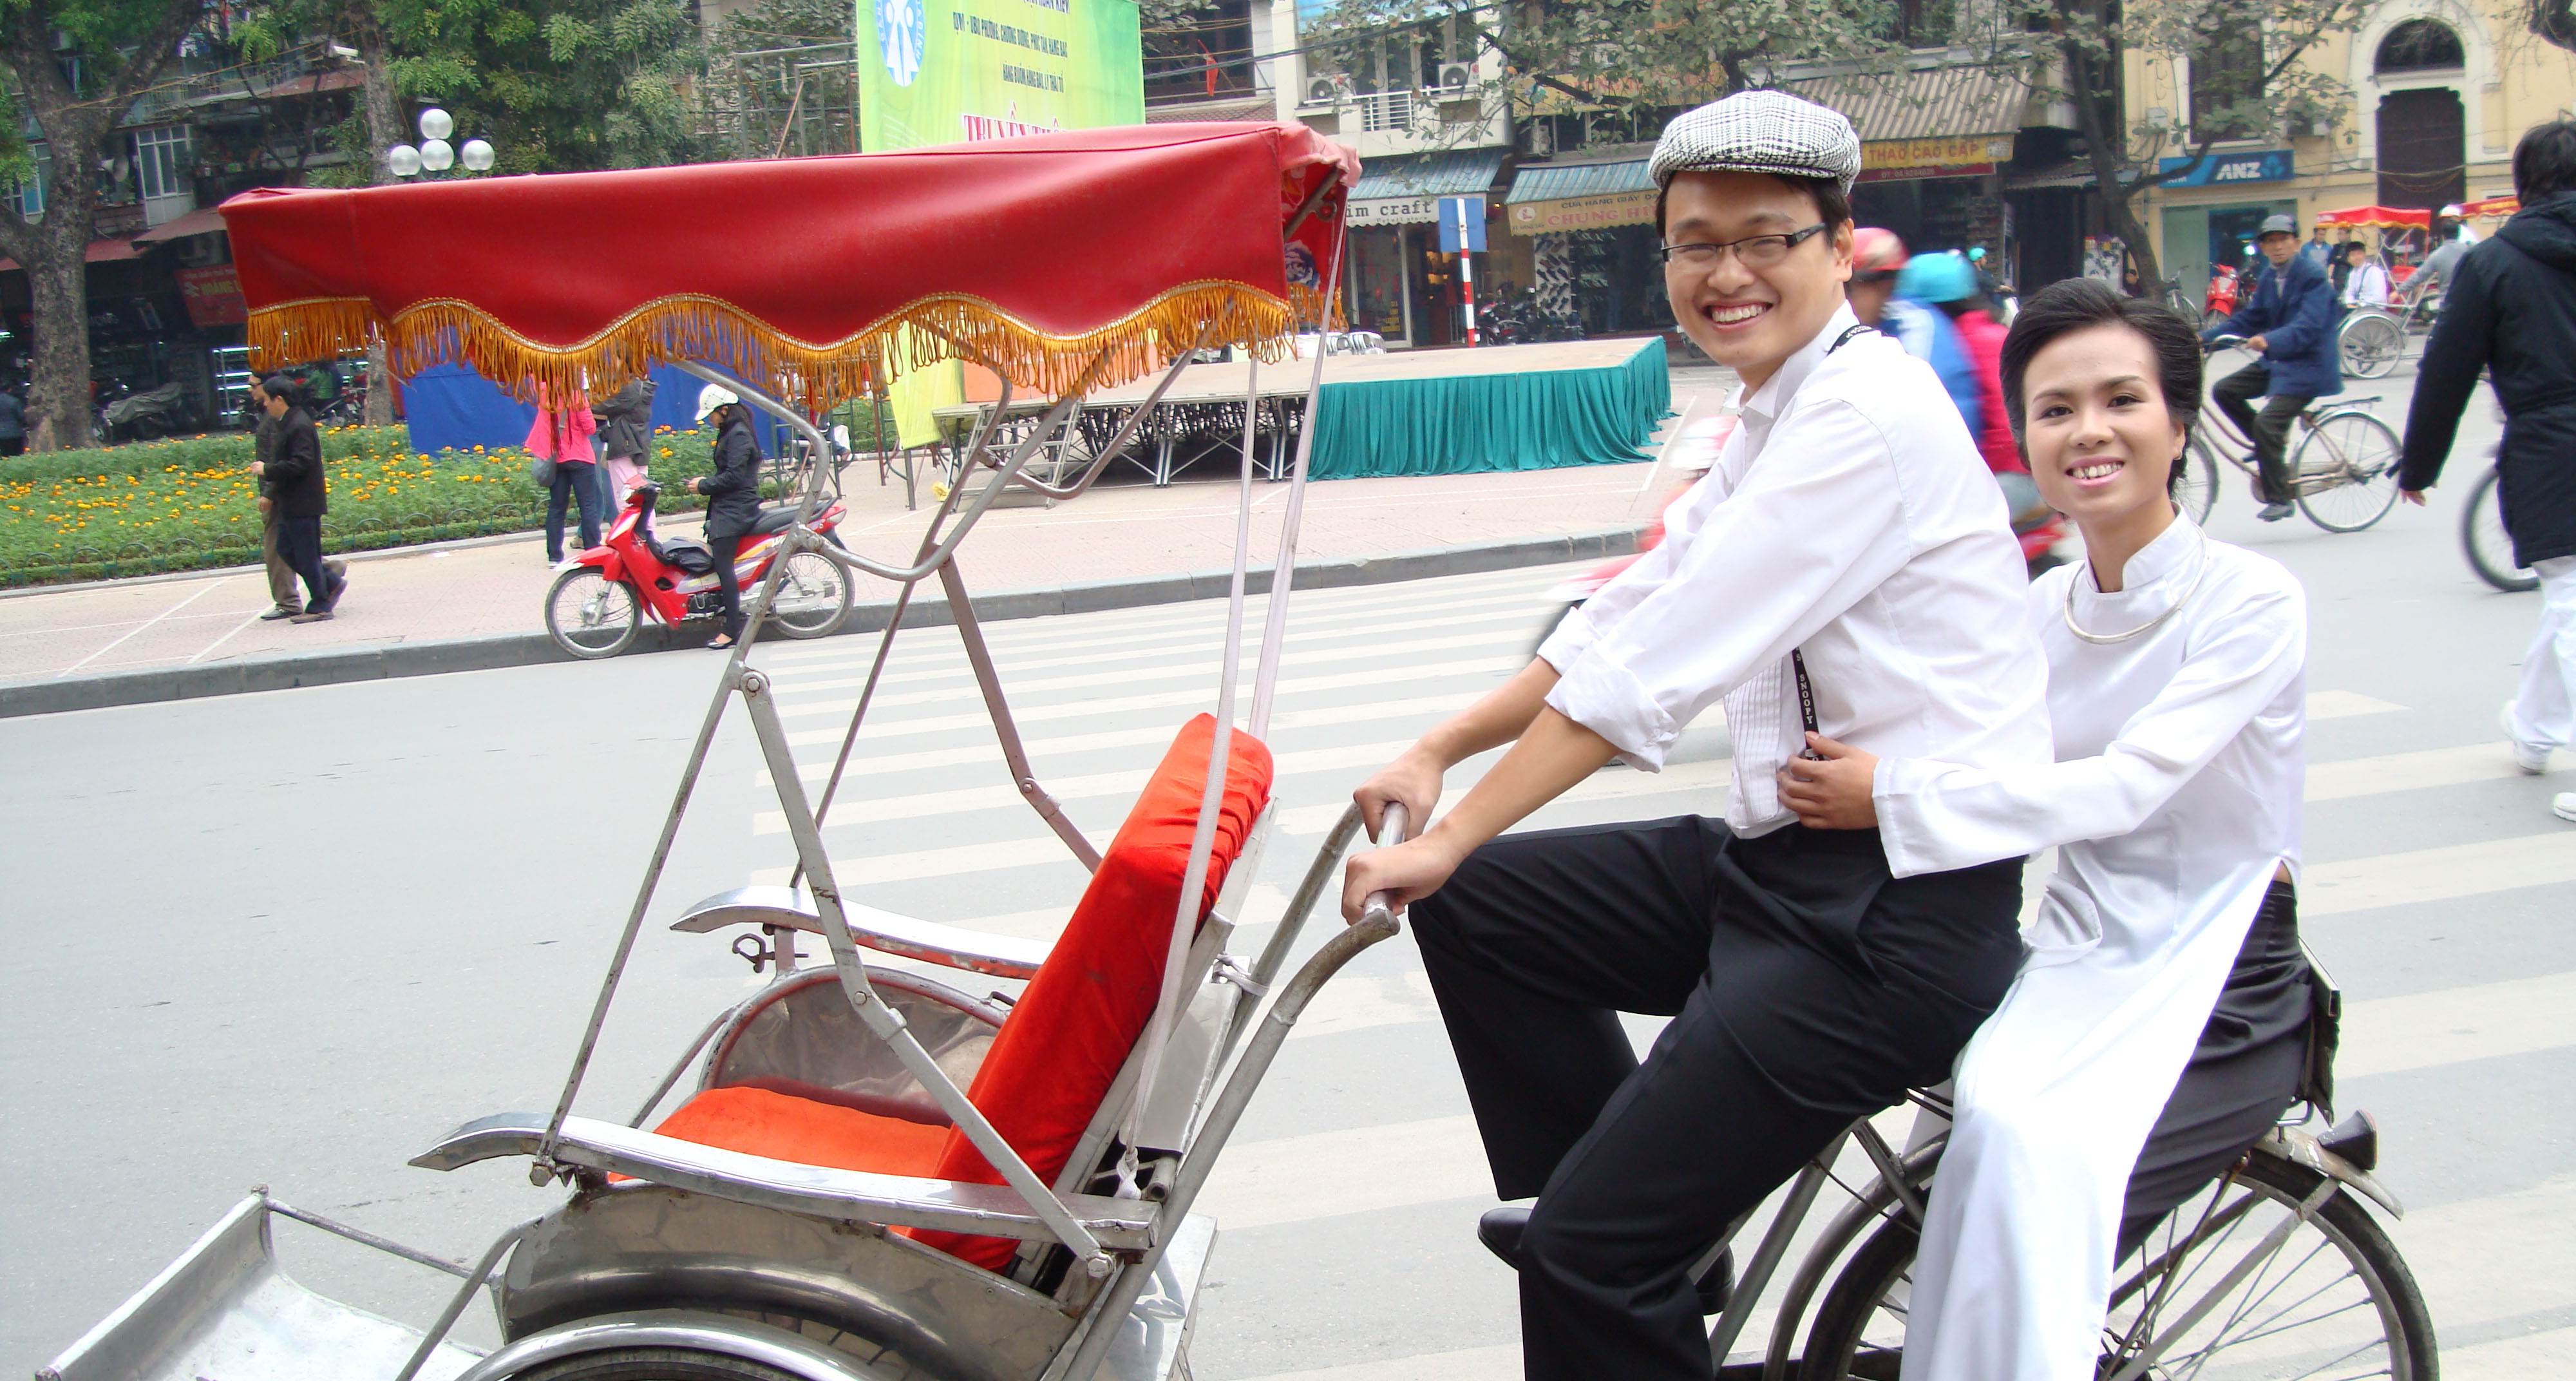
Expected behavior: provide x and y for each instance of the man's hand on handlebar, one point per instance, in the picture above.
(1415, 868)
(1412, 781)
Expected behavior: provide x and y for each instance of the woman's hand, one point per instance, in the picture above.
(1410, 870)
(1412, 781)
(1834, 794)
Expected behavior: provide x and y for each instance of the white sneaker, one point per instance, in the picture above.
(2532, 759)
(2563, 805)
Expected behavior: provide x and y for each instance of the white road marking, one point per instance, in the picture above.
(2423, 875)
(2335, 781)
(1708, 780)
(1469, 1364)
(2549, 1356)
(2388, 1035)
(2491, 1258)
(1354, 1170)
(2336, 704)
(201, 592)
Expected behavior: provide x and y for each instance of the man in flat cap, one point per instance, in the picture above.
(1845, 567)
(2289, 320)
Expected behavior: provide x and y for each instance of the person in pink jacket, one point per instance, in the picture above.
(1949, 282)
(562, 434)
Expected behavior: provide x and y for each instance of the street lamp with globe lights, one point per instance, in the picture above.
(435, 154)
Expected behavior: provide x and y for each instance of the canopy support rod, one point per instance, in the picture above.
(1015, 754)
(758, 615)
(1185, 912)
(883, 1021)
(1283, 568)
(1126, 430)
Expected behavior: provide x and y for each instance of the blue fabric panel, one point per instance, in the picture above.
(450, 407)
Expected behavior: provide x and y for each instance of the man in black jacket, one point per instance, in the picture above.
(2511, 309)
(292, 475)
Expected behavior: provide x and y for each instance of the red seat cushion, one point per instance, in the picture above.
(1066, 1037)
(782, 1126)
(1069, 1033)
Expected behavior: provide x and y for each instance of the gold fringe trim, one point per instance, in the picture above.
(712, 331)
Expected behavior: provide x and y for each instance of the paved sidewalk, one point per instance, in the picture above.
(1121, 532)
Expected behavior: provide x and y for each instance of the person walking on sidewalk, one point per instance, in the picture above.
(625, 430)
(733, 497)
(2289, 320)
(292, 475)
(2511, 311)
(284, 601)
(562, 434)
(1844, 566)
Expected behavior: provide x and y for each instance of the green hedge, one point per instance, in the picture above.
(187, 503)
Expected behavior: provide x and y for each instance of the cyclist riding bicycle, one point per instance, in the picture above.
(2289, 320)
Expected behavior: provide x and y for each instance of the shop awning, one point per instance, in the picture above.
(205, 220)
(1929, 122)
(99, 252)
(1551, 198)
(2073, 174)
(1405, 189)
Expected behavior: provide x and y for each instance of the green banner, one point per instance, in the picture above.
(959, 71)
(956, 71)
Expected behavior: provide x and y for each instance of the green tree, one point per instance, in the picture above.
(77, 67)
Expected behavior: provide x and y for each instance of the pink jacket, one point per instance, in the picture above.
(1984, 338)
(563, 437)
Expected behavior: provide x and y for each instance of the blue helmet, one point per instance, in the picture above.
(1937, 278)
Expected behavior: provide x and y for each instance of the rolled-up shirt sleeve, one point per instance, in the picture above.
(1934, 817)
(1815, 525)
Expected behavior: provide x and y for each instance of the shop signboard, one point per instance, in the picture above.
(1981, 151)
(1462, 225)
(1926, 171)
(2226, 169)
(1393, 211)
(213, 296)
(1583, 213)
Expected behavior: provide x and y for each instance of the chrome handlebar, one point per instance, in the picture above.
(1380, 907)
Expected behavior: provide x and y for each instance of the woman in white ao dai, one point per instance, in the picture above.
(2164, 979)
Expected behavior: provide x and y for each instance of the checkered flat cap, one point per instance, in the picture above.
(1759, 132)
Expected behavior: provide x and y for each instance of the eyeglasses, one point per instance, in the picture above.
(1753, 251)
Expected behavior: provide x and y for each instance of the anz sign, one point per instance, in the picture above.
(2220, 169)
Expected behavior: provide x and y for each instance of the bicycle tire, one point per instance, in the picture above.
(2486, 543)
(653, 1364)
(2370, 345)
(581, 614)
(2363, 452)
(2197, 491)
(1836, 1346)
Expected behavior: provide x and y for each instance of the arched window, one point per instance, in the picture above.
(2419, 45)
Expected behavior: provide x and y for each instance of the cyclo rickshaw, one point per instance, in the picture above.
(876, 1175)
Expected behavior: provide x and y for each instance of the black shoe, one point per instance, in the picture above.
(1500, 1230)
(2274, 512)
(339, 586)
(281, 612)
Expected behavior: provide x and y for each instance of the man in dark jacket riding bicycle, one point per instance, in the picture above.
(2289, 320)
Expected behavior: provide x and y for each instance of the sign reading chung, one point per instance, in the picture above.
(2221, 169)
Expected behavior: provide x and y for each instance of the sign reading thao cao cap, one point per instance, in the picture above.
(1904, 160)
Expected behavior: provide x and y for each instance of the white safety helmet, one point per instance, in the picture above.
(712, 397)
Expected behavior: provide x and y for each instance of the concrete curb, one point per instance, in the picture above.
(389, 660)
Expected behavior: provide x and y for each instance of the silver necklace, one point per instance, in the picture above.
(2150, 625)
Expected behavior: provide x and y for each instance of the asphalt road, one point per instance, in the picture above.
(290, 938)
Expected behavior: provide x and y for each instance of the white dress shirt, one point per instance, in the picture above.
(1851, 518)
(2175, 798)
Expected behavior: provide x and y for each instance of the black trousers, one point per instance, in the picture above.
(576, 487)
(725, 549)
(2270, 429)
(1807, 989)
(2243, 1075)
(299, 544)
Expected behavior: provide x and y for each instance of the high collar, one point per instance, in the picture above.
(2156, 576)
(1765, 402)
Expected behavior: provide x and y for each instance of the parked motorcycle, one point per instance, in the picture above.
(2221, 302)
(1518, 319)
(155, 412)
(597, 604)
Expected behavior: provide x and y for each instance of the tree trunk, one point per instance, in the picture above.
(2099, 116)
(384, 130)
(58, 391)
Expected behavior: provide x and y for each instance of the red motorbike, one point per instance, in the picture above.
(2221, 302)
(599, 601)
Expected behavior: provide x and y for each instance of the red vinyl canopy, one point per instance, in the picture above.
(825, 275)
(2491, 207)
(2379, 217)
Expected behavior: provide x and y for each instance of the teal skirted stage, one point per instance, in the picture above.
(1513, 407)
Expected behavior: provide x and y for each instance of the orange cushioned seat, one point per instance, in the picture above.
(1070, 1032)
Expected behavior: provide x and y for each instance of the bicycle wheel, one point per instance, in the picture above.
(2209, 1294)
(2489, 547)
(2371, 344)
(813, 596)
(2347, 471)
(590, 615)
(2197, 491)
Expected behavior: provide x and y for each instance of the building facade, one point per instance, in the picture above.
(2437, 93)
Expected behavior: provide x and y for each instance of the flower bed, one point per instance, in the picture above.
(188, 503)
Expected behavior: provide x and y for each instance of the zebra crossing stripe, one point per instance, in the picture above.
(2428, 875)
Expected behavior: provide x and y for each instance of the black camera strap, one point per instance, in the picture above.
(1797, 659)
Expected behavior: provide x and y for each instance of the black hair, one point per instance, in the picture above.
(2544, 163)
(2076, 304)
(1833, 204)
(280, 386)
(2352, 247)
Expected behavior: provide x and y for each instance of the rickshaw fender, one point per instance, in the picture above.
(716, 1333)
